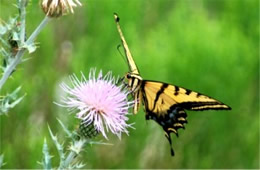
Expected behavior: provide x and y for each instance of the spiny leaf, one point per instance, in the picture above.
(6, 27)
(58, 146)
(78, 145)
(66, 130)
(9, 101)
(15, 36)
(30, 47)
(2, 161)
(3, 30)
(76, 166)
(46, 162)
(98, 143)
(4, 53)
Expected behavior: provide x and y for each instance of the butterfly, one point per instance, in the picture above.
(164, 103)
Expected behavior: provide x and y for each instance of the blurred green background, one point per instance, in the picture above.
(210, 46)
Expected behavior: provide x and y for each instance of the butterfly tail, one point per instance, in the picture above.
(168, 136)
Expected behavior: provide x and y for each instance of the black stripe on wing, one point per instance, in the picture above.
(200, 106)
(164, 86)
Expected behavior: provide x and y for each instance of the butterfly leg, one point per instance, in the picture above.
(121, 80)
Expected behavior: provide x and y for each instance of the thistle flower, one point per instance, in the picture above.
(56, 8)
(99, 102)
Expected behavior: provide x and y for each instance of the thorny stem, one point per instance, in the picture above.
(70, 158)
(37, 30)
(9, 69)
(23, 14)
(72, 155)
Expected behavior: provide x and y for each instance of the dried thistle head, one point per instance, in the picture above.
(57, 8)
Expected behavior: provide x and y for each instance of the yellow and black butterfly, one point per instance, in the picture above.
(164, 103)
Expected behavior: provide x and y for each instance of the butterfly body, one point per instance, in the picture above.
(164, 103)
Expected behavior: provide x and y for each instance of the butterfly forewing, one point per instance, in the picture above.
(181, 97)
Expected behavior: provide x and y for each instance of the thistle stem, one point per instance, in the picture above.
(38, 30)
(23, 14)
(9, 69)
(73, 154)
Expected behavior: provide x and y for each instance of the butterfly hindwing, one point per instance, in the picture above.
(165, 104)
(170, 122)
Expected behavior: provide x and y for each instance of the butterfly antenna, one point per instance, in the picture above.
(122, 78)
(118, 49)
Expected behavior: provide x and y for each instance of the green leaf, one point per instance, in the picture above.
(10, 101)
(77, 166)
(30, 47)
(2, 161)
(15, 36)
(59, 148)
(78, 146)
(46, 162)
(71, 135)
(3, 30)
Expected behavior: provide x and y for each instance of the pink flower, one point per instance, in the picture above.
(99, 101)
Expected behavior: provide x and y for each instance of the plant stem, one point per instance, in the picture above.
(9, 69)
(23, 14)
(69, 158)
(73, 154)
(37, 30)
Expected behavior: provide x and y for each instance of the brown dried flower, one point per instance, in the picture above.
(56, 8)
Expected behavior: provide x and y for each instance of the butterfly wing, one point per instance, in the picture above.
(161, 96)
(165, 104)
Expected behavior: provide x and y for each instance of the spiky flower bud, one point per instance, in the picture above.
(87, 130)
